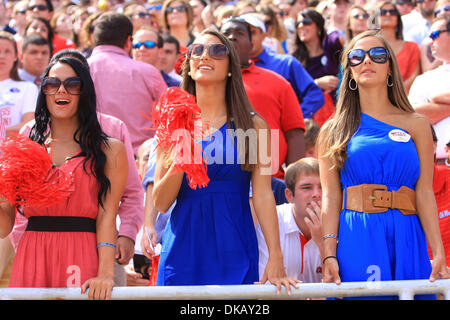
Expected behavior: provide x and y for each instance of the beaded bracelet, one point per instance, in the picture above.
(331, 235)
(106, 244)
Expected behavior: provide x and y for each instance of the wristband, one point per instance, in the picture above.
(324, 259)
(331, 235)
(106, 244)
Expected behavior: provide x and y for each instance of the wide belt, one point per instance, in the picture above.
(61, 224)
(374, 198)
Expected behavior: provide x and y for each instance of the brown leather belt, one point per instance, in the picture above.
(374, 198)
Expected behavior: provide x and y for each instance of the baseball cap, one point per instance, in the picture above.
(254, 21)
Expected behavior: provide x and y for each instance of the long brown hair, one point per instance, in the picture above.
(239, 108)
(336, 132)
(13, 73)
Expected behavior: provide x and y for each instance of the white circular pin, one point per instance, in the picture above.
(399, 135)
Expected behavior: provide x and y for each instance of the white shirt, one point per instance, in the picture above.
(301, 258)
(426, 86)
(16, 99)
(411, 20)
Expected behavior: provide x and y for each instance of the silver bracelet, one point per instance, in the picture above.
(106, 244)
(331, 235)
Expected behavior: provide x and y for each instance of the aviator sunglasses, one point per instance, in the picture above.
(177, 8)
(216, 51)
(376, 54)
(72, 85)
(146, 44)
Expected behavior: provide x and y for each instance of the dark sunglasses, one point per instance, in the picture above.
(376, 54)
(155, 7)
(435, 34)
(146, 44)
(307, 21)
(216, 51)
(361, 16)
(40, 7)
(177, 8)
(50, 86)
(144, 15)
(21, 11)
(91, 28)
(446, 9)
(392, 12)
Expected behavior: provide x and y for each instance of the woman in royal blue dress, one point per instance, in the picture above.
(376, 168)
(210, 237)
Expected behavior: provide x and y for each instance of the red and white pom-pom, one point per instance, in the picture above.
(178, 121)
(26, 174)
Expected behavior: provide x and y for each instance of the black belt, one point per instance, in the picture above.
(61, 224)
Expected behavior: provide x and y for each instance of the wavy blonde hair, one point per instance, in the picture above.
(340, 128)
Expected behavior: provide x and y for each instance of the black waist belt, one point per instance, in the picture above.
(61, 224)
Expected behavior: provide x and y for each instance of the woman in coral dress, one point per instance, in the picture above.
(71, 244)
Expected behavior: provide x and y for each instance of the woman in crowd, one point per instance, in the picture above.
(357, 22)
(276, 34)
(210, 237)
(140, 16)
(376, 169)
(62, 25)
(87, 35)
(406, 52)
(17, 97)
(71, 244)
(197, 21)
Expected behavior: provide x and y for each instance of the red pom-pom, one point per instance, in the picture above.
(178, 122)
(26, 174)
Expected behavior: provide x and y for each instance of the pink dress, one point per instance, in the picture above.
(60, 259)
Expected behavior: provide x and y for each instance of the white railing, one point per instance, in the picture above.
(404, 289)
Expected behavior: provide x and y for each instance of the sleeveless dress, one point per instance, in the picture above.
(389, 245)
(210, 237)
(60, 259)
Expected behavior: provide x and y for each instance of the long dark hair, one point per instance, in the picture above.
(50, 33)
(239, 108)
(89, 134)
(399, 26)
(301, 52)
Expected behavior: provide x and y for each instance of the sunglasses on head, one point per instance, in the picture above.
(146, 44)
(384, 12)
(361, 16)
(40, 7)
(216, 51)
(445, 9)
(306, 21)
(177, 8)
(376, 54)
(155, 7)
(435, 34)
(50, 86)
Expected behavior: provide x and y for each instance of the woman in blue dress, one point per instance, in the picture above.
(210, 237)
(376, 168)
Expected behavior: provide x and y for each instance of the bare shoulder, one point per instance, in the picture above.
(113, 147)
(417, 124)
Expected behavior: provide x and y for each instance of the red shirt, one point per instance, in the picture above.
(60, 43)
(274, 99)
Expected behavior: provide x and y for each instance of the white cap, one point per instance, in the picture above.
(253, 20)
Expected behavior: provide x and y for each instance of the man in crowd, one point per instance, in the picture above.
(125, 88)
(308, 93)
(147, 47)
(169, 56)
(416, 24)
(35, 56)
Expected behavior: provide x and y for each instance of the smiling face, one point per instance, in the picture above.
(148, 55)
(179, 16)
(307, 32)
(205, 69)
(62, 104)
(369, 73)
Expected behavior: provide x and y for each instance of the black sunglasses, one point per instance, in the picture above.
(40, 7)
(144, 15)
(216, 51)
(376, 54)
(146, 44)
(307, 21)
(392, 12)
(361, 16)
(445, 9)
(177, 8)
(72, 85)
(435, 34)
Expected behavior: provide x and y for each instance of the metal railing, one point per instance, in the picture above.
(404, 289)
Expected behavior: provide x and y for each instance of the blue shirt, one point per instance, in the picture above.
(308, 93)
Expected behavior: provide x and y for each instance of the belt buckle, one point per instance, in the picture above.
(369, 197)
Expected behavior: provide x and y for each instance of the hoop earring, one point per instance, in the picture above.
(355, 87)
(390, 83)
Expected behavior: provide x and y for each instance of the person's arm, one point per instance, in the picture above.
(116, 170)
(265, 209)
(7, 217)
(150, 234)
(442, 98)
(425, 200)
(331, 206)
(407, 83)
(434, 112)
(327, 83)
(295, 140)
(25, 119)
